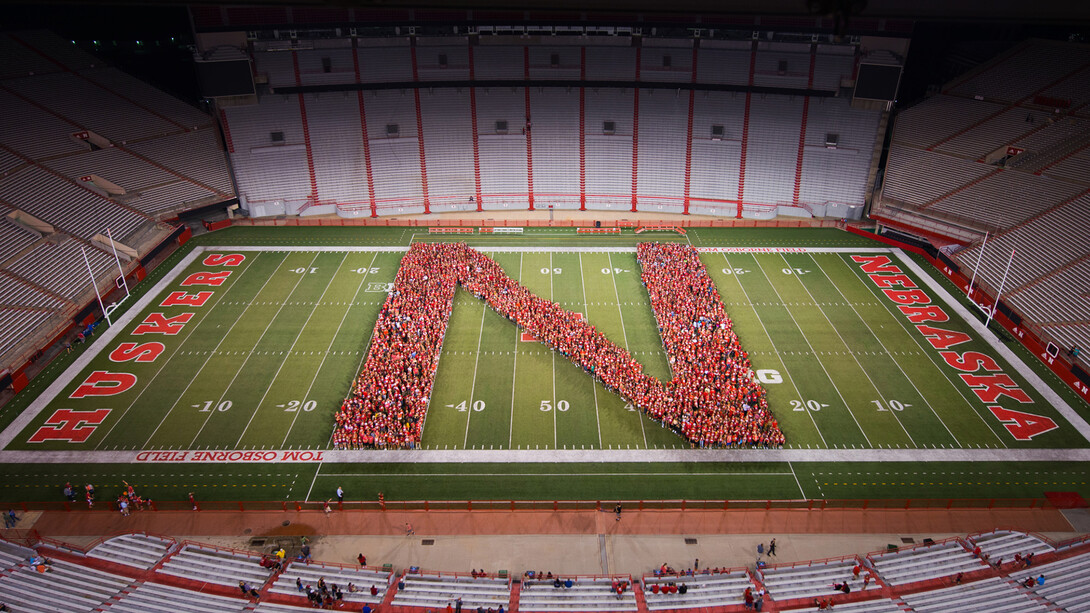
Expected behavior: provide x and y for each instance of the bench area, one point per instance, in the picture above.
(159, 598)
(811, 580)
(1067, 582)
(450, 230)
(139, 550)
(363, 579)
(211, 565)
(881, 605)
(703, 590)
(925, 562)
(1005, 544)
(597, 230)
(678, 229)
(995, 595)
(585, 594)
(435, 590)
(66, 587)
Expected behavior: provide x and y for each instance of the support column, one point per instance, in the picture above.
(635, 130)
(582, 129)
(689, 131)
(745, 130)
(306, 132)
(420, 129)
(476, 139)
(802, 128)
(526, 130)
(364, 134)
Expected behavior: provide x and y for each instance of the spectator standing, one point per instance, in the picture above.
(69, 493)
(617, 511)
(409, 529)
(10, 519)
(192, 501)
(772, 548)
(362, 559)
(340, 495)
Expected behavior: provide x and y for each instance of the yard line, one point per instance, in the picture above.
(620, 314)
(473, 386)
(927, 350)
(177, 351)
(787, 373)
(555, 410)
(871, 330)
(856, 359)
(287, 356)
(579, 474)
(594, 384)
(801, 492)
(244, 361)
(363, 279)
(514, 373)
(312, 481)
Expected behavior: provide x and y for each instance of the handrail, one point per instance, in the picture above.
(880, 552)
(819, 562)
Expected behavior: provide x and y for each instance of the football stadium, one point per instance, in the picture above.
(399, 307)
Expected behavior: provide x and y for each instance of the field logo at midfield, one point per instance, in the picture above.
(76, 426)
(710, 406)
(978, 371)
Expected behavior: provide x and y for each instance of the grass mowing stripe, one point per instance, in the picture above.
(473, 385)
(287, 356)
(355, 297)
(594, 388)
(888, 355)
(924, 347)
(514, 375)
(552, 355)
(246, 359)
(855, 358)
(786, 372)
(809, 344)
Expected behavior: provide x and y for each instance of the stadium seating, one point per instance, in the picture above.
(150, 597)
(63, 588)
(925, 562)
(1067, 582)
(436, 590)
(139, 550)
(994, 595)
(332, 573)
(704, 590)
(810, 579)
(1005, 544)
(585, 594)
(213, 565)
(881, 605)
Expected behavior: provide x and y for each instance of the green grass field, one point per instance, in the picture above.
(267, 359)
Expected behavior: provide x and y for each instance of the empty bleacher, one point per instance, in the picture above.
(994, 595)
(362, 578)
(585, 594)
(65, 587)
(811, 579)
(1005, 544)
(139, 550)
(151, 597)
(925, 562)
(213, 565)
(703, 590)
(1067, 582)
(436, 590)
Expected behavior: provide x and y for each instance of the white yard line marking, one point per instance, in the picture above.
(363, 279)
(593, 382)
(473, 386)
(514, 376)
(287, 356)
(924, 348)
(821, 310)
(572, 249)
(895, 361)
(210, 355)
(245, 360)
(177, 351)
(312, 481)
(786, 372)
(801, 492)
(624, 334)
(1031, 377)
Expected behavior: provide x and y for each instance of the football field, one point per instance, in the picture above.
(253, 347)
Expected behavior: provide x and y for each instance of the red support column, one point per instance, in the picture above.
(476, 140)
(745, 131)
(689, 132)
(526, 130)
(364, 134)
(582, 130)
(635, 129)
(306, 132)
(802, 128)
(420, 131)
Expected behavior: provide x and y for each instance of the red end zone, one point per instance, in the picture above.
(526, 337)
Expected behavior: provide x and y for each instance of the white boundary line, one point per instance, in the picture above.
(542, 249)
(1015, 362)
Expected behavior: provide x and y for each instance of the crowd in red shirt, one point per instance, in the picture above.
(712, 401)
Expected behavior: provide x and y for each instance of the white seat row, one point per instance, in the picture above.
(215, 566)
(994, 595)
(139, 550)
(880, 605)
(584, 595)
(805, 581)
(1067, 582)
(63, 588)
(437, 591)
(159, 598)
(925, 562)
(703, 590)
(309, 574)
(1005, 544)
